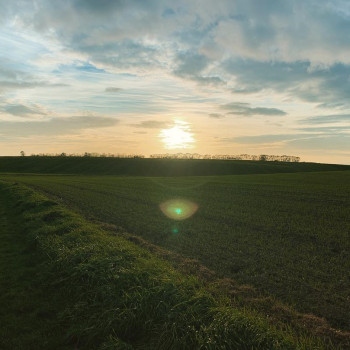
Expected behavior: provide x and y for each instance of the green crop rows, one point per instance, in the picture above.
(285, 234)
(67, 284)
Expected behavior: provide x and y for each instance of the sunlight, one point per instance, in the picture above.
(179, 136)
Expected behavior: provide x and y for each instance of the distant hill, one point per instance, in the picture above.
(153, 167)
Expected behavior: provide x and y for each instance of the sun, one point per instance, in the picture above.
(178, 136)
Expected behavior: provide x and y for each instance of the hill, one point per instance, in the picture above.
(153, 167)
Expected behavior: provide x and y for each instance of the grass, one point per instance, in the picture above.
(28, 315)
(107, 293)
(153, 167)
(284, 234)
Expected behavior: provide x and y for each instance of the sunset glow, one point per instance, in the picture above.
(147, 77)
(177, 137)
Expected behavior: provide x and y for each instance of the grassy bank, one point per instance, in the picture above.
(113, 294)
(27, 312)
(153, 167)
(284, 234)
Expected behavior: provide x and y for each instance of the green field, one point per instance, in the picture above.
(153, 167)
(67, 284)
(280, 241)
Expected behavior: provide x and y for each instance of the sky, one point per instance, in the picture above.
(198, 76)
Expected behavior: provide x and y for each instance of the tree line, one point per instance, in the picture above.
(85, 154)
(261, 157)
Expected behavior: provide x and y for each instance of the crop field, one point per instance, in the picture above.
(287, 235)
(153, 167)
(66, 284)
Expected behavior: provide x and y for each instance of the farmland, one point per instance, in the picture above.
(277, 243)
(70, 285)
(153, 167)
(285, 234)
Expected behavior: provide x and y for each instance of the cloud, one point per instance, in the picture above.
(103, 21)
(266, 139)
(324, 142)
(327, 129)
(285, 31)
(326, 119)
(324, 85)
(150, 124)
(54, 126)
(239, 108)
(12, 79)
(128, 54)
(299, 142)
(22, 111)
(216, 115)
(191, 64)
(289, 31)
(194, 66)
(10, 85)
(192, 41)
(113, 89)
(266, 30)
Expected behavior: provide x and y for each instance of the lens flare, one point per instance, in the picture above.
(178, 209)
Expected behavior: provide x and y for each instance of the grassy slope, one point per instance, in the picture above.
(286, 234)
(108, 289)
(152, 167)
(28, 315)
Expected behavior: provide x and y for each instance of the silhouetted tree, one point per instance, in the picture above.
(262, 157)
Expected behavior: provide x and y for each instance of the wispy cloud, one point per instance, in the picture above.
(327, 129)
(193, 66)
(264, 139)
(216, 115)
(325, 85)
(327, 119)
(54, 126)
(22, 110)
(240, 108)
(150, 124)
(113, 89)
(12, 79)
(297, 142)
